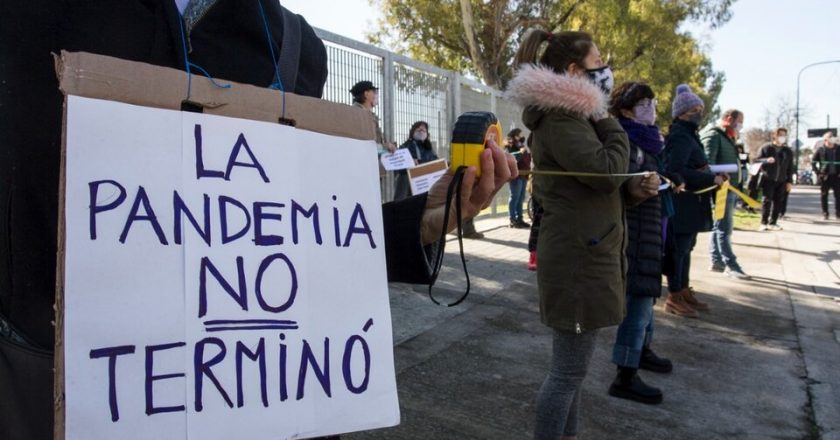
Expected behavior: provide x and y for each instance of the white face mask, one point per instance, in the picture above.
(419, 136)
(782, 140)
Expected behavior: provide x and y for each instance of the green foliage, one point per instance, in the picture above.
(642, 39)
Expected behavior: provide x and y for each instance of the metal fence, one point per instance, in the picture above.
(411, 91)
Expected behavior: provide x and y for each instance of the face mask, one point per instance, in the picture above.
(694, 118)
(603, 77)
(782, 139)
(736, 127)
(644, 114)
(420, 137)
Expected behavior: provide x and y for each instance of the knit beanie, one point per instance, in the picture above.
(684, 101)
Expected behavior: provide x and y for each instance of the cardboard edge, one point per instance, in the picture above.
(58, 390)
(94, 76)
(427, 168)
(131, 82)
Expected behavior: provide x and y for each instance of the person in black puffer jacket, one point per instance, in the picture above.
(634, 105)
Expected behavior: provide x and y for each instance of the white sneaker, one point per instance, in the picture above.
(763, 228)
(775, 228)
(737, 274)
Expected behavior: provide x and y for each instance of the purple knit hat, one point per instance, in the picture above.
(684, 101)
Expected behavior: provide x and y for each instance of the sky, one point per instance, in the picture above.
(761, 50)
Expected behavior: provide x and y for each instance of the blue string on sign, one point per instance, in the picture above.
(189, 65)
(278, 82)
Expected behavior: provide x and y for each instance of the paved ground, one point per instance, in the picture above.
(763, 364)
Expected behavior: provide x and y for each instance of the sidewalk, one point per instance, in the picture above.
(763, 364)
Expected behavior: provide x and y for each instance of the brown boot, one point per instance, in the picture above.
(691, 300)
(675, 303)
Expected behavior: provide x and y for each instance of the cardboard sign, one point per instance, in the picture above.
(423, 176)
(398, 160)
(205, 279)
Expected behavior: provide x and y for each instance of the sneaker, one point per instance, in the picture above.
(475, 235)
(775, 227)
(737, 273)
(763, 227)
(521, 224)
(717, 267)
(532, 261)
(633, 388)
(825, 216)
(651, 362)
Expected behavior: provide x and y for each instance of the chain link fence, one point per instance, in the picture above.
(411, 91)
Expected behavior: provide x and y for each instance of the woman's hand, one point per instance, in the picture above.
(497, 169)
(719, 180)
(641, 188)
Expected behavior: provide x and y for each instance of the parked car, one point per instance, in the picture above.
(805, 177)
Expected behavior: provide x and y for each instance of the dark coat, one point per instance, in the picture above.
(782, 169)
(581, 271)
(644, 235)
(824, 161)
(229, 42)
(419, 152)
(684, 156)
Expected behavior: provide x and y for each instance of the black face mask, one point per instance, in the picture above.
(694, 118)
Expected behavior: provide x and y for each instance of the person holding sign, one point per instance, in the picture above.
(366, 96)
(692, 212)
(719, 144)
(420, 148)
(777, 172)
(228, 40)
(563, 84)
(634, 104)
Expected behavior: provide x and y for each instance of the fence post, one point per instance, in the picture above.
(387, 95)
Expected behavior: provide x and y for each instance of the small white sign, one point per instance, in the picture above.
(207, 288)
(422, 177)
(724, 168)
(398, 160)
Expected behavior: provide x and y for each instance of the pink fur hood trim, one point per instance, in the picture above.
(541, 87)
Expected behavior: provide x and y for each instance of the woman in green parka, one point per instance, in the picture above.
(563, 85)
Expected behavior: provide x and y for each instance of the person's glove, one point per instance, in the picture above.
(497, 169)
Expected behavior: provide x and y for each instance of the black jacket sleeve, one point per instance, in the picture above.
(791, 168)
(407, 259)
(679, 148)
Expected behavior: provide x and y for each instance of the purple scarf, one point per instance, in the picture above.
(645, 136)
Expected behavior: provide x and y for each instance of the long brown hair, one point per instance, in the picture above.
(563, 49)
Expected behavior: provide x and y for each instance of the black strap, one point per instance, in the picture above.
(290, 51)
(453, 188)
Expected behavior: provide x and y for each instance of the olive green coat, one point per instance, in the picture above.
(581, 264)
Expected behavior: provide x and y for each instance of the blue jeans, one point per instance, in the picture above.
(517, 196)
(635, 332)
(720, 244)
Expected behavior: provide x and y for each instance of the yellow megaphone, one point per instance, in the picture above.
(469, 137)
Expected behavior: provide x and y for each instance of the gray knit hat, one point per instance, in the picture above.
(684, 101)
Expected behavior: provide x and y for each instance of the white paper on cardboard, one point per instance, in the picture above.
(206, 287)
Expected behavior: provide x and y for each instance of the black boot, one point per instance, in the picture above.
(628, 385)
(651, 362)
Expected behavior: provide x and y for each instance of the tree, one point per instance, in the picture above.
(782, 114)
(642, 39)
(754, 139)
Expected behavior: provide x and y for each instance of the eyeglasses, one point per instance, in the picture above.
(647, 103)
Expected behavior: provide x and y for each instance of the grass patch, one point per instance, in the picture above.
(744, 220)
